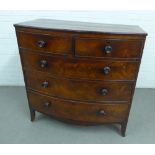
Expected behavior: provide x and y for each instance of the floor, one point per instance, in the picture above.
(16, 127)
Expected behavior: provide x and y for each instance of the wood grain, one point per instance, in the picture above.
(53, 44)
(80, 68)
(82, 26)
(79, 90)
(64, 69)
(95, 47)
(79, 111)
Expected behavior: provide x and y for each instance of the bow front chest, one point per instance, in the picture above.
(80, 72)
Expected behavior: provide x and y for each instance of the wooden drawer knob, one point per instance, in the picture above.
(43, 63)
(45, 84)
(41, 43)
(106, 70)
(104, 92)
(102, 112)
(108, 49)
(46, 104)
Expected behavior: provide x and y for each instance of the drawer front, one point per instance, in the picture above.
(79, 90)
(113, 48)
(76, 68)
(80, 111)
(46, 43)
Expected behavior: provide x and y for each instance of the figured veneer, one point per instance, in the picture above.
(79, 90)
(51, 44)
(113, 48)
(78, 111)
(80, 72)
(80, 68)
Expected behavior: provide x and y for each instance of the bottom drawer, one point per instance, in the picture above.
(78, 111)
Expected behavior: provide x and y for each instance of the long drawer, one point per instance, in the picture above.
(78, 111)
(99, 91)
(78, 68)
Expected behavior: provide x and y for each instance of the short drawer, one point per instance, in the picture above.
(109, 48)
(46, 43)
(79, 89)
(78, 111)
(83, 69)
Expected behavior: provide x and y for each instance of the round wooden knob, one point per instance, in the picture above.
(41, 44)
(101, 112)
(46, 104)
(104, 92)
(43, 63)
(45, 84)
(108, 49)
(106, 70)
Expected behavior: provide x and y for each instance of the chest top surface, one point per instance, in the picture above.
(76, 26)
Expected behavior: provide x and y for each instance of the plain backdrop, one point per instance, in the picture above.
(10, 67)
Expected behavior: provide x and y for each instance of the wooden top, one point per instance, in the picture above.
(77, 26)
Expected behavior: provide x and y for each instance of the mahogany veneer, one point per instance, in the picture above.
(80, 72)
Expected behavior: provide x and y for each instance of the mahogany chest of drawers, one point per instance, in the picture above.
(80, 72)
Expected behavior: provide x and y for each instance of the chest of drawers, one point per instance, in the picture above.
(80, 72)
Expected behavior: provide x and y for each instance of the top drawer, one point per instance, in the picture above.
(47, 43)
(116, 48)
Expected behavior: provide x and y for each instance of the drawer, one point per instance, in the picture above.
(109, 48)
(79, 90)
(77, 68)
(78, 111)
(46, 43)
